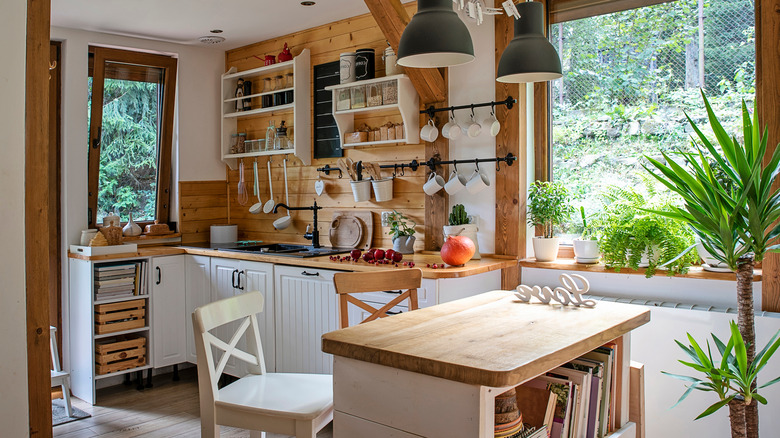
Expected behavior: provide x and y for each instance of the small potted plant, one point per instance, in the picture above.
(548, 206)
(586, 247)
(402, 232)
(460, 225)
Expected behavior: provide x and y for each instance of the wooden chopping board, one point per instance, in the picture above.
(346, 238)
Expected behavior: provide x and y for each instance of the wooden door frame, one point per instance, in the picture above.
(55, 144)
(39, 178)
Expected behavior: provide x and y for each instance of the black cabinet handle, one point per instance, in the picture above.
(239, 279)
(309, 274)
(395, 292)
(159, 275)
(394, 313)
(235, 271)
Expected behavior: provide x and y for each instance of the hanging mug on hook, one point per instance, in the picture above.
(429, 132)
(490, 123)
(451, 130)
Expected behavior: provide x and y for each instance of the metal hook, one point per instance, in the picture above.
(493, 109)
(498, 164)
(455, 165)
(472, 111)
(452, 113)
(476, 161)
(403, 172)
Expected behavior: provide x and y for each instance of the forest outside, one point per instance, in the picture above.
(628, 80)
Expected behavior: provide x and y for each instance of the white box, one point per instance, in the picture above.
(130, 248)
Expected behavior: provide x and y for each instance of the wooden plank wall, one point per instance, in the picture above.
(201, 204)
(325, 43)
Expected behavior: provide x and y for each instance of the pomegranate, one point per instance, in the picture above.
(379, 254)
(389, 254)
(457, 250)
(369, 257)
(355, 254)
(397, 256)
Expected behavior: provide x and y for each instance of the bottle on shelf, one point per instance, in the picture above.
(270, 135)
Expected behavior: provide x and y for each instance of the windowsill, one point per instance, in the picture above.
(567, 264)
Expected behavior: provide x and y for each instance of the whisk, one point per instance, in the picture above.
(243, 196)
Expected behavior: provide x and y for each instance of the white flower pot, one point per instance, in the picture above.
(545, 248)
(586, 251)
(404, 244)
(468, 230)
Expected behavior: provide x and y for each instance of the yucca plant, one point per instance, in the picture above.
(729, 202)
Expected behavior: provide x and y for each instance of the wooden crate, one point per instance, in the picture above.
(122, 353)
(116, 317)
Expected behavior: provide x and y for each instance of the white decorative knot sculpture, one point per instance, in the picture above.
(570, 293)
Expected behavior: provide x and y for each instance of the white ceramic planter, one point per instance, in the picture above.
(468, 230)
(545, 248)
(404, 244)
(586, 251)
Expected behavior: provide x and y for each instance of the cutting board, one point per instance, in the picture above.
(346, 237)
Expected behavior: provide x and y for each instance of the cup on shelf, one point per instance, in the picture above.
(478, 181)
(429, 132)
(451, 130)
(456, 183)
(433, 185)
(491, 124)
(471, 127)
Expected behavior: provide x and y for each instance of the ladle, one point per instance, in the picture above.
(269, 204)
(284, 221)
(257, 207)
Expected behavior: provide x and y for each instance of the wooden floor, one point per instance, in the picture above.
(169, 409)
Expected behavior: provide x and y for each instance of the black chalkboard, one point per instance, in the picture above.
(327, 142)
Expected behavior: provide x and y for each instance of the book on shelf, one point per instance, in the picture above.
(595, 369)
(605, 358)
(580, 399)
(536, 403)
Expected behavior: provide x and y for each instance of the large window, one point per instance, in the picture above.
(131, 118)
(629, 78)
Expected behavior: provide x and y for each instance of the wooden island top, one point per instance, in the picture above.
(492, 339)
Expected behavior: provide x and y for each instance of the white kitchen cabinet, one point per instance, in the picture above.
(256, 276)
(168, 314)
(306, 308)
(198, 290)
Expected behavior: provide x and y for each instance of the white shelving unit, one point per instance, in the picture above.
(300, 108)
(408, 106)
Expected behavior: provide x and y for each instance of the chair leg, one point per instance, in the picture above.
(208, 422)
(305, 429)
(149, 378)
(139, 377)
(176, 372)
(66, 396)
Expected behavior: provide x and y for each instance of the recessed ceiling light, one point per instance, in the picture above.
(308, 3)
(216, 31)
(211, 39)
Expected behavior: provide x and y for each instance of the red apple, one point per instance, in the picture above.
(389, 254)
(397, 256)
(379, 254)
(457, 250)
(355, 254)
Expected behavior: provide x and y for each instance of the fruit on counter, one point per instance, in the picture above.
(389, 254)
(457, 250)
(355, 254)
(369, 256)
(379, 254)
(397, 256)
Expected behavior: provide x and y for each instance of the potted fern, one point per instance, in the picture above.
(729, 202)
(460, 225)
(402, 232)
(586, 247)
(548, 206)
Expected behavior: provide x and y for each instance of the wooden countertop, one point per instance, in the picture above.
(492, 339)
(473, 267)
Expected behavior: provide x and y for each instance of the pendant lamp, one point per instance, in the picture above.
(435, 37)
(529, 57)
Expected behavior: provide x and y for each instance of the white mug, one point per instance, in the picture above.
(478, 181)
(471, 127)
(491, 124)
(433, 185)
(429, 132)
(456, 183)
(451, 130)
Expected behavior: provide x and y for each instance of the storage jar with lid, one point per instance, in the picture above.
(343, 100)
(358, 96)
(364, 64)
(289, 83)
(281, 137)
(278, 85)
(391, 64)
(374, 94)
(268, 100)
(389, 92)
(347, 68)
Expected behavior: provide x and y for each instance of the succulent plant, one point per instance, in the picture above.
(458, 215)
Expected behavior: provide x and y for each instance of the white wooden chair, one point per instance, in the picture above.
(285, 403)
(350, 283)
(58, 377)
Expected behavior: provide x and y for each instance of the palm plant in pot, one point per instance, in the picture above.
(586, 247)
(402, 232)
(729, 202)
(548, 206)
(460, 225)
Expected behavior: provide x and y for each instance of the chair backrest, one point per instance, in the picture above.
(348, 283)
(55, 355)
(242, 309)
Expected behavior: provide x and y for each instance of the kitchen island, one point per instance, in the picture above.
(436, 371)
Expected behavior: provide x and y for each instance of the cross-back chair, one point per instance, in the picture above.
(350, 283)
(285, 403)
(58, 376)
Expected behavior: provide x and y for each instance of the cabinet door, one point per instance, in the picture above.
(305, 310)
(259, 277)
(197, 283)
(224, 275)
(168, 314)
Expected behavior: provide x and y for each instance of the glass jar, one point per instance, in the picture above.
(280, 142)
(270, 135)
(374, 92)
(289, 83)
(268, 100)
(279, 85)
(358, 97)
(343, 100)
(390, 92)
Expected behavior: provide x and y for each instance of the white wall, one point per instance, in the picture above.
(13, 367)
(475, 82)
(196, 155)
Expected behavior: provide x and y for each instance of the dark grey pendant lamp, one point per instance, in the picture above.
(529, 57)
(435, 37)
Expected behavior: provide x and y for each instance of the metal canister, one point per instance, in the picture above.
(347, 67)
(364, 64)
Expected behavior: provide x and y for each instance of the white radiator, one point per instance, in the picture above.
(653, 344)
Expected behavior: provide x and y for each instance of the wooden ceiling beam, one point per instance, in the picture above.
(392, 18)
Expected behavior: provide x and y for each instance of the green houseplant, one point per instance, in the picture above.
(729, 202)
(586, 247)
(460, 224)
(402, 232)
(548, 206)
(632, 237)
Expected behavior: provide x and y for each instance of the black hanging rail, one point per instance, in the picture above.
(327, 170)
(431, 163)
(431, 110)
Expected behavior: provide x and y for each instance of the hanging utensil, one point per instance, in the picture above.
(270, 203)
(284, 221)
(258, 206)
(346, 168)
(243, 197)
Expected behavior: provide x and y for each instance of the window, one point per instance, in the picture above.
(130, 111)
(628, 78)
